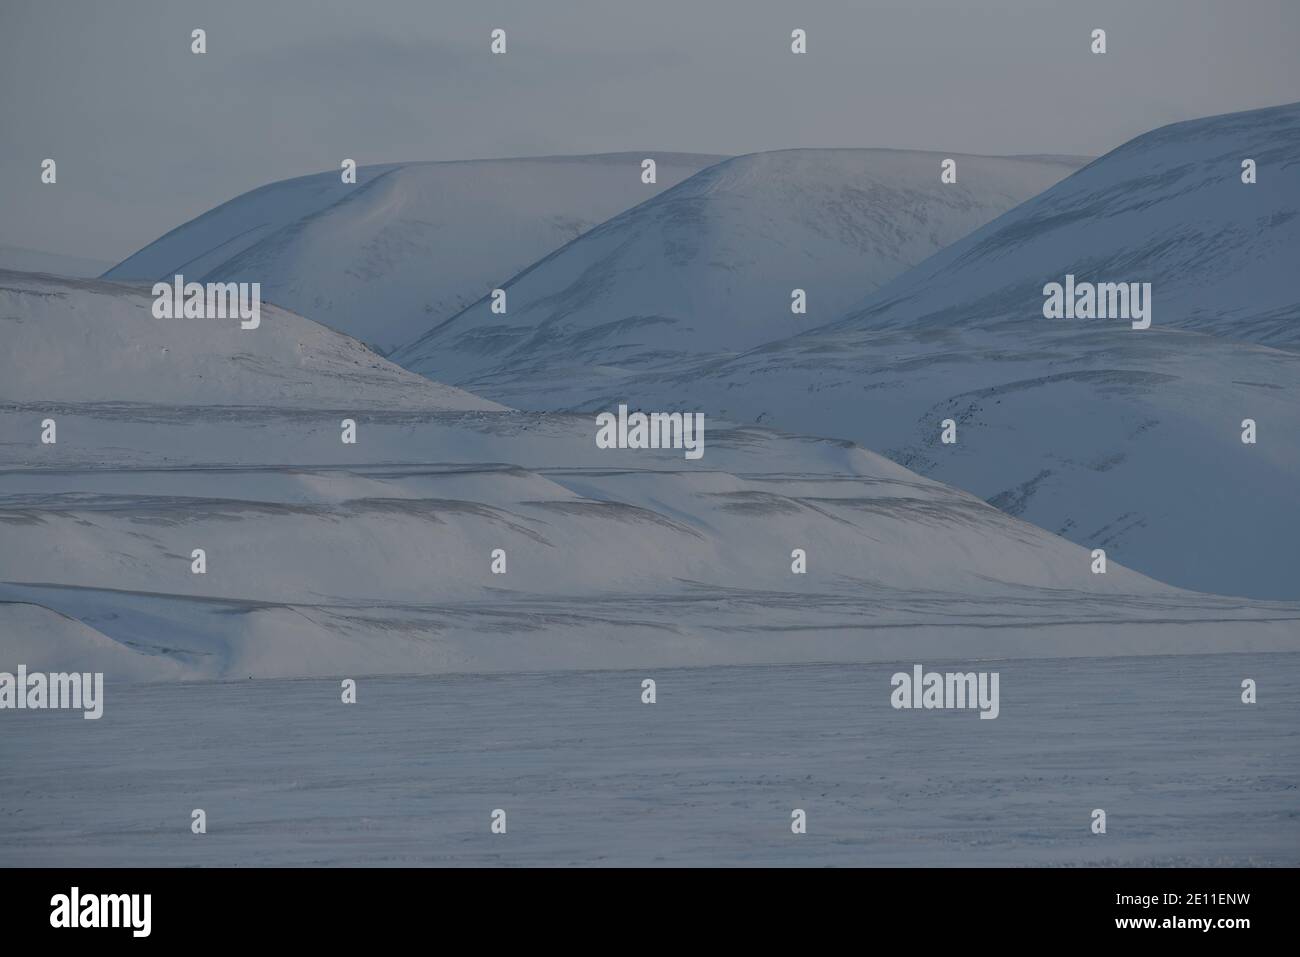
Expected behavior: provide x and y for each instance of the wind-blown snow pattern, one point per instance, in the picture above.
(407, 245)
(1116, 438)
(325, 558)
(710, 265)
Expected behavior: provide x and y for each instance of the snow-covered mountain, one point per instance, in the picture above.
(1125, 439)
(711, 265)
(407, 245)
(377, 557)
(1169, 207)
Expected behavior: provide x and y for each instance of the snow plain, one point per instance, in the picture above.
(588, 775)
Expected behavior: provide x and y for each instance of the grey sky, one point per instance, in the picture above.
(148, 135)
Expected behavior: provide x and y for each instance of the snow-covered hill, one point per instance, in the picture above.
(1168, 207)
(1119, 438)
(326, 558)
(95, 341)
(407, 245)
(1126, 441)
(711, 265)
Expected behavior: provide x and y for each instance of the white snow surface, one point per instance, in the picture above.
(708, 776)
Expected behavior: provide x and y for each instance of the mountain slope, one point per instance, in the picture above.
(90, 340)
(407, 245)
(1168, 207)
(325, 558)
(710, 265)
(1125, 439)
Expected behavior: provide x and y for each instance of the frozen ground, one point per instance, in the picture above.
(587, 774)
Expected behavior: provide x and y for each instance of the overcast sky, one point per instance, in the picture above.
(148, 135)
